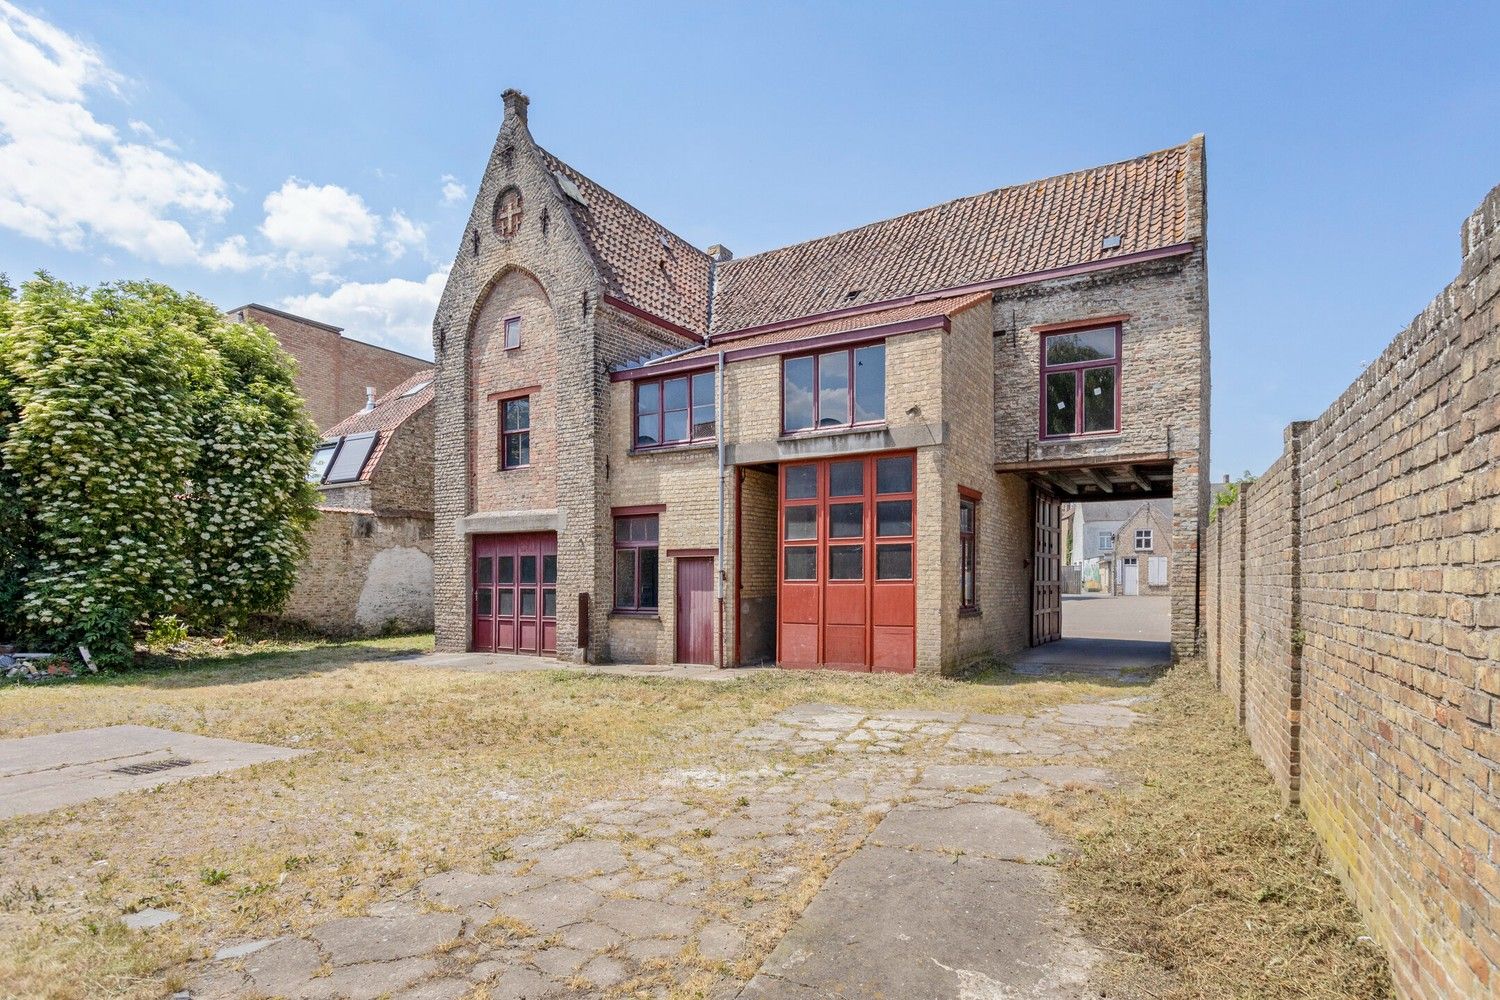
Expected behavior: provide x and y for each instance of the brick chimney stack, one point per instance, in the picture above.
(720, 253)
(515, 104)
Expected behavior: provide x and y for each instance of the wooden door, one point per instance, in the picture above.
(1046, 586)
(695, 610)
(1132, 578)
(514, 593)
(846, 588)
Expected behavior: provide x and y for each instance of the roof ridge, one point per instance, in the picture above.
(729, 265)
(559, 161)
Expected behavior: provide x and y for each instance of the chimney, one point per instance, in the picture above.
(1226, 479)
(515, 105)
(369, 398)
(719, 253)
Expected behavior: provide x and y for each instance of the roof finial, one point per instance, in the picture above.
(515, 105)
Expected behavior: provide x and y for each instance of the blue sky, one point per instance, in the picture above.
(319, 157)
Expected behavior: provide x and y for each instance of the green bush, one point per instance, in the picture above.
(153, 455)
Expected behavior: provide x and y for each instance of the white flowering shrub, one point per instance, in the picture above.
(158, 454)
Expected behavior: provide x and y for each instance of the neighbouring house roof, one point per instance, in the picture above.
(644, 264)
(911, 315)
(390, 412)
(1088, 217)
(1118, 511)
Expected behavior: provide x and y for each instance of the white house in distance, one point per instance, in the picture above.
(1094, 546)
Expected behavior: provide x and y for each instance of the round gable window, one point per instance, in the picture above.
(508, 212)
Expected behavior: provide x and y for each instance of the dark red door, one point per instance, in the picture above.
(515, 593)
(1046, 580)
(846, 596)
(695, 610)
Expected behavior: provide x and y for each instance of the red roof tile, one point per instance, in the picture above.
(1056, 222)
(644, 263)
(390, 412)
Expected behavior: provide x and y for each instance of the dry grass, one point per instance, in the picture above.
(1199, 881)
(419, 771)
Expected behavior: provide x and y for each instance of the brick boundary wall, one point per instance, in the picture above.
(1353, 611)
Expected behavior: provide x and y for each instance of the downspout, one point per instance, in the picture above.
(719, 435)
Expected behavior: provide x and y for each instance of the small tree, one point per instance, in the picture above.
(159, 455)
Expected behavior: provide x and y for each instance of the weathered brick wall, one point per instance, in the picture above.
(1371, 576)
(333, 370)
(364, 574)
(402, 481)
(1272, 671)
(1230, 643)
(1164, 389)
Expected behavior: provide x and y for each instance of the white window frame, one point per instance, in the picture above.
(1106, 541)
(1149, 535)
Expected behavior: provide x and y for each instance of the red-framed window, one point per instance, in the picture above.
(850, 509)
(968, 553)
(515, 432)
(512, 333)
(636, 555)
(1080, 390)
(674, 410)
(831, 389)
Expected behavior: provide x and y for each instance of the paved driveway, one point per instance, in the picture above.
(1112, 636)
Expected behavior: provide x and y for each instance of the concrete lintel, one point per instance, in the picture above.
(856, 442)
(499, 523)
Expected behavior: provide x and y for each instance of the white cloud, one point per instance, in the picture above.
(395, 313)
(452, 190)
(233, 254)
(66, 177)
(402, 234)
(317, 222)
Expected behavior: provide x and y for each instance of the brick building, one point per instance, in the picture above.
(850, 452)
(334, 372)
(1143, 553)
(369, 564)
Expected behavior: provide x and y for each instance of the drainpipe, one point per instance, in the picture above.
(719, 555)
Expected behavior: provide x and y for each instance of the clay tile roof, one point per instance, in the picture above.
(668, 280)
(1037, 226)
(390, 412)
(935, 309)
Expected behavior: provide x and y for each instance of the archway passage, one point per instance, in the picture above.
(1102, 579)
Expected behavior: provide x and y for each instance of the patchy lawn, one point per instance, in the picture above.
(1199, 880)
(420, 771)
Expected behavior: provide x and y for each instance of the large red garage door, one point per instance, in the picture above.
(515, 593)
(847, 595)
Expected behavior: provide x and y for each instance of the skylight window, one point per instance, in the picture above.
(351, 457)
(318, 468)
(415, 389)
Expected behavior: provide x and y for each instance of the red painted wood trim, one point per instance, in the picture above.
(1081, 324)
(864, 335)
(638, 509)
(513, 393)
(969, 494)
(653, 319)
(692, 553)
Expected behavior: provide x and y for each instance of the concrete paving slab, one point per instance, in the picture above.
(975, 828)
(977, 930)
(42, 773)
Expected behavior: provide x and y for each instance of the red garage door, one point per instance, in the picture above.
(846, 596)
(515, 593)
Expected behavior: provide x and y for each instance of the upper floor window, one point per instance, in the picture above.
(1143, 539)
(515, 433)
(833, 389)
(1081, 382)
(674, 410)
(1106, 541)
(513, 332)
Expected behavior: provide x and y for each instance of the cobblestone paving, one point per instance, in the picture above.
(694, 882)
